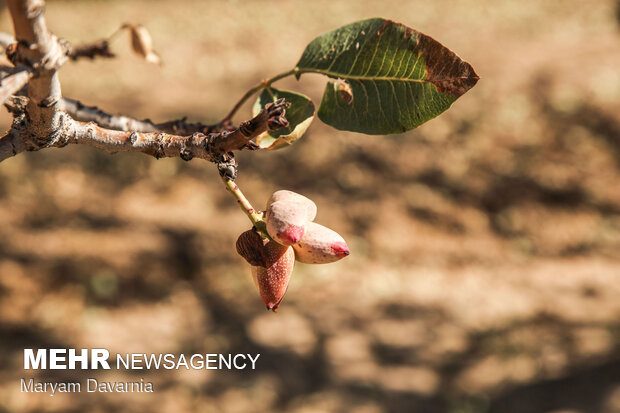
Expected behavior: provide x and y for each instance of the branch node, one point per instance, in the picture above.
(196, 136)
(18, 58)
(276, 113)
(186, 154)
(35, 10)
(251, 146)
(133, 138)
(54, 139)
(20, 53)
(48, 102)
(160, 151)
(57, 55)
(247, 127)
(16, 104)
(227, 166)
(209, 141)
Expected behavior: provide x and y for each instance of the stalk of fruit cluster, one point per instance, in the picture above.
(288, 220)
(255, 216)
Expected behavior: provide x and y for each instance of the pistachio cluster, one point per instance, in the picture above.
(292, 236)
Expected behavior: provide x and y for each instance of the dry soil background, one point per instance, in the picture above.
(485, 266)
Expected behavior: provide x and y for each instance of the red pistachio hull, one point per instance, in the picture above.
(320, 245)
(284, 195)
(286, 221)
(272, 281)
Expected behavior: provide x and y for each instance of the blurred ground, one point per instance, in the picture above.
(485, 274)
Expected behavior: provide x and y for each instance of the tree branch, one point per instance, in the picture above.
(75, 108)
(183, 127)
(271, 117)
(14, 82)
(211, 147)
(84, 113)
(39, 121)
(42, 51)
(80, 111)
(10, 145)
(100, 48)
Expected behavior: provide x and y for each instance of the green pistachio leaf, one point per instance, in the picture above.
(387, 77)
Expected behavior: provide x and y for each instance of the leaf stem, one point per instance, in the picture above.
(116, 32)
(265, 83)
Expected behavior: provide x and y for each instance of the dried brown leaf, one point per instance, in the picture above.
(142, 44)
